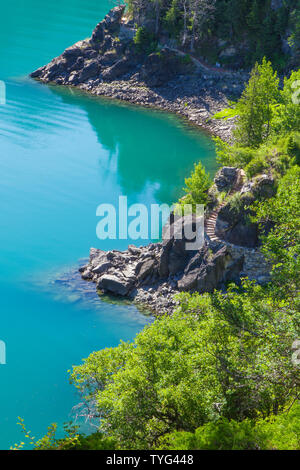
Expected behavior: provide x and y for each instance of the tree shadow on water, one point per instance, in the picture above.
(152, 148)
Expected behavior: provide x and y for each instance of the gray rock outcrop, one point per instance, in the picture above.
(153, 274)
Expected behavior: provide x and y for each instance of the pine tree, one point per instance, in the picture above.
(255, 107)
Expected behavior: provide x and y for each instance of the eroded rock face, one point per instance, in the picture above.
(110, 25)
(234, 225)
(225, 178)
(110, 55)
(99, 58)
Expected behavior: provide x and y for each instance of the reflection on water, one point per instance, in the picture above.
(144, 147)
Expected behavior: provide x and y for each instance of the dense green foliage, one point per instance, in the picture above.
(209, 27)
(267, 135)
(256, 106)
(282, 244)
(196, 188)
(145, 41)
(281, 432)
(216, 357)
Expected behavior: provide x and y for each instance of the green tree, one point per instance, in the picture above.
(218, 356)
(274, 433)
(256, 106)
(288, 113)
(196, 187)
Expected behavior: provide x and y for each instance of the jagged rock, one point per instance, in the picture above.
(102, 268)
(264, 187)
(234, 226)
(178, 235)
(71, 54)
(98, 33)
(146, 269)
(113, 284)
(91, 70)
(225, 178)
(205, 272)
(113, 19)
(110, 24)
(120, 68)
(154, 273)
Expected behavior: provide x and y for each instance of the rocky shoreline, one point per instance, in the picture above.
(152, 275)
(108, 64)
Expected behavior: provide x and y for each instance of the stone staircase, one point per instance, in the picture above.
(210, 223)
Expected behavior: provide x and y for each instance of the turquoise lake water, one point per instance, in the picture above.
(61, 155)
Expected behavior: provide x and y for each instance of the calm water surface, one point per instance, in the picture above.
(61, 155)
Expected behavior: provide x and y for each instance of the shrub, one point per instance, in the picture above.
(197, 186)
(232, 155)
(293, 147)
(256, 166)
(236, 203)
(280, 432)
(145, 42)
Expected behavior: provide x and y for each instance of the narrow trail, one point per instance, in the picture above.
(200, 65)
(210, 223)
(205, 68)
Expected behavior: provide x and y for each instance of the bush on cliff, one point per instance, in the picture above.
(196, 188)
(281, 432)
(267, 134)
(145, 42)
(218, 356)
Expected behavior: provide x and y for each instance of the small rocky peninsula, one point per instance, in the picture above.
(109, 64)
(152, 275)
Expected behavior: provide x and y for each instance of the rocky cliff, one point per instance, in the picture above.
(109, 63)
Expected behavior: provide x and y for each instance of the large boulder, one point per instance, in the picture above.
(178, 236)
(146, 269)
(208, 270)
(114, 285)
(264, 187)
(225, 178)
